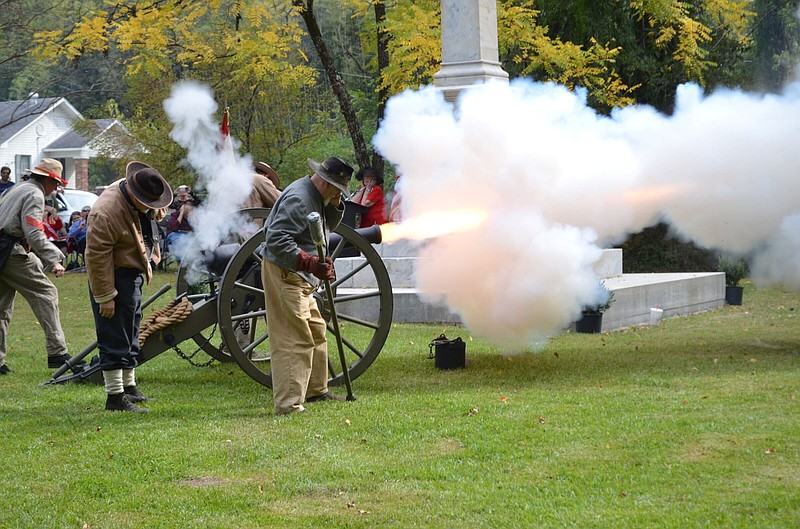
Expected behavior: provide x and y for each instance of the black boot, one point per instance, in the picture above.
(4, 370)
(134, 395)
(121, 402)
(54, 362)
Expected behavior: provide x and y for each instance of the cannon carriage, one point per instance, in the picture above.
(227, 316)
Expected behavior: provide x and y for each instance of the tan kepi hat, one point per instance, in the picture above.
(50, 167)
(334, 171)
(147, 185)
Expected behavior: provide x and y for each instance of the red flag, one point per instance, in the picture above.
(224, 128)
(225, 143)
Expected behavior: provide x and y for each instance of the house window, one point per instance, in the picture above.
(22, 162)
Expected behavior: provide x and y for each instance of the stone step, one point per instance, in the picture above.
(674, 294)
(634, 294)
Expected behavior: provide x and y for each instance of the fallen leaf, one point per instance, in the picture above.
(623, 494)
(362, 511)
(351, 504)
(541, 420)
(98, 428)
(770, 451)
(503, 399)
(753, 361)
(317, 436)
(347, 422)
(261, 489)
(473, 411)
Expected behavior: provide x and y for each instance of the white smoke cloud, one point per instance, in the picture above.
(560, 181)
(222, 173)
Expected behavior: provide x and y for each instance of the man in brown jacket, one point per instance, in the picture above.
(121, 243)
(265, 187)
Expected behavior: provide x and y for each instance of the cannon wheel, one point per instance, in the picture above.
(205, 340)
(364, 314)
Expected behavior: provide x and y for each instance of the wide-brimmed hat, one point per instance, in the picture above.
(50, 167)
(267, 171)
(364, 171)
(147, 185)
(334, 171)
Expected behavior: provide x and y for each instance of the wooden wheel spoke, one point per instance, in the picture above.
(348, 275)
(356, 297)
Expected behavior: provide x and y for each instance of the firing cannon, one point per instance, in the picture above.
(228, 316)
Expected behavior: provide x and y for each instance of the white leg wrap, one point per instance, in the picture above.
(113, 381)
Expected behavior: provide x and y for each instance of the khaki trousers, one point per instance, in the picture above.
(23, 273)
(297, 339)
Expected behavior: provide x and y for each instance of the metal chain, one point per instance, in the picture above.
(190, 358)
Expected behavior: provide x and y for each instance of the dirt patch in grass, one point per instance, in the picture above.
(206, 481)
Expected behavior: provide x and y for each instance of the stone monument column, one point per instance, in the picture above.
(469, 46)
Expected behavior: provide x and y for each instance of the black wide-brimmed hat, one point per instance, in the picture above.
(366, 171)
(147, 185)
(334, 171)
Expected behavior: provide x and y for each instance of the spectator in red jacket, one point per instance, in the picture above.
(370, 195)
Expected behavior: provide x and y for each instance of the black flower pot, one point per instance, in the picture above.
(590, 323)
(733, 295)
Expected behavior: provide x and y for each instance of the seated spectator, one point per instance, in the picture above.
(179, 230)
(370, 194)
(77, 230)
(52, 226)
(183, 195)
(73, 218)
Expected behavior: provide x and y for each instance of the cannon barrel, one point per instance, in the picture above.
(371, 234)
(217, 259)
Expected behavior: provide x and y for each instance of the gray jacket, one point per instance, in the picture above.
(286, 228)
(21, 214)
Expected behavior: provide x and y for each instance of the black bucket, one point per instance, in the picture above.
(448, 354)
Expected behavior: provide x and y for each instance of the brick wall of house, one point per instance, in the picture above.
(82, 174)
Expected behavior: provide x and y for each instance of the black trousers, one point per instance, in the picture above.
(118, 337)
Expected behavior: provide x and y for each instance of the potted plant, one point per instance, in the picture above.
(592, 315)
(735, 270)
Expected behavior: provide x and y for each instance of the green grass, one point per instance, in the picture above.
(693, 423)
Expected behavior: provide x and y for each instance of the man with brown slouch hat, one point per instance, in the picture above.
(121, 244)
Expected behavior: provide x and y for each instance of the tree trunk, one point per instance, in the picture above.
(383, 62)
(337, 84)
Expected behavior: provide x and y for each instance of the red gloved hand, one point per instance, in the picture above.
(311, 264)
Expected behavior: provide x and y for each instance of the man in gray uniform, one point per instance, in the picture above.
(291, 270)
(21, 213)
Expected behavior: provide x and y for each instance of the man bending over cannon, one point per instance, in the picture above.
(291, 271)
(121, 242)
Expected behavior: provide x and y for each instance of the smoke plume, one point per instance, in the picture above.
(560, 182)
(222, 173)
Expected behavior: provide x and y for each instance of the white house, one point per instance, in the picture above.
(36, 128)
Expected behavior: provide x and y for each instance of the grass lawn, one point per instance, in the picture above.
(693, 423)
